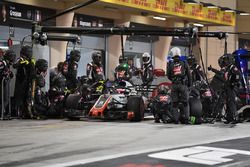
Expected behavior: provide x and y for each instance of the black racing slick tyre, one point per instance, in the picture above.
(72, 101)
(136, 105)
(195, 107)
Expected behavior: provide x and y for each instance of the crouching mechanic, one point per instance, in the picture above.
(41, 101)
(71, 77)
(161, 105)
(179, 73)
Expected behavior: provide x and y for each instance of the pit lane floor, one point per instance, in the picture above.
(94, 143)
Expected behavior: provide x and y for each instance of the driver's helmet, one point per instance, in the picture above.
(162, 89)
(122, 67)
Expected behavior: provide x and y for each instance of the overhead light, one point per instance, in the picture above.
(110, 8)
(4, 47)
(226, 9)
(242, 13)
(198, 25)
(208, 5)
(190, 1)
(159, 18)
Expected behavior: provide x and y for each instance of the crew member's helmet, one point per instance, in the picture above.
(146, 58)
(176, 58)
(41, 65)
(26, 52)
(10, 56)
(75, 55)
(191, 60)
(97, 57)
(227, 59)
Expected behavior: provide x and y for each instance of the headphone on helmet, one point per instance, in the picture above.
(10, 55)
(26, 51)
(41, 65)
(96, 57)
(75, 55)
(228, 59)
(191, 59)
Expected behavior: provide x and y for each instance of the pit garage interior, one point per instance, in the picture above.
(60, 142)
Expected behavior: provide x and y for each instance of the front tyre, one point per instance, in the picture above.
(136, 105)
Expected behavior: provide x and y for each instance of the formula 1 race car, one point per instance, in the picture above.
(121, 101)
(79, 103)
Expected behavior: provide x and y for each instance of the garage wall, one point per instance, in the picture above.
(19, 33)
(243, 22)
(213, 48)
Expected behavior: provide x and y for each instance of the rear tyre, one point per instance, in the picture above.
(136, 105)
(196, 109)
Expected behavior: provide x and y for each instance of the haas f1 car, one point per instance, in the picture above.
(121, 101)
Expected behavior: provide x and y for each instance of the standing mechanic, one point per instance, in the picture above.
(179, 73)
(6, 74)
(147, 69)
(71, 77)
(195, 69)
(5, 63)
(122, 70)
(95, 71)
(219, 85)
(232, 77)
(25, 74)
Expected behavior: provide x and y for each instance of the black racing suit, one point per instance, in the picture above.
(232, 77)
(72, 76)
(5, 74)
(196, 73)
(132, 70)
(57, 95)
(179, 74)
(41, 101)
(24, 77)
(161, 106)
(147, 74)
(95, 72)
